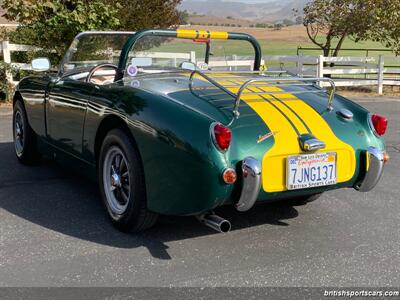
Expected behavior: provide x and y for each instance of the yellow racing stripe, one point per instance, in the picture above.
(285, 137)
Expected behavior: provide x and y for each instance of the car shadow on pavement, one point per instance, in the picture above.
(67, 203)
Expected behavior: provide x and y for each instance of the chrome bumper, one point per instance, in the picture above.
(376, 163)
(251, 170)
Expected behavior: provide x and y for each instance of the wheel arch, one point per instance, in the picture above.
(17, 96)
(106, 125)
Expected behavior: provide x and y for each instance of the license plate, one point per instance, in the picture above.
(311, 170)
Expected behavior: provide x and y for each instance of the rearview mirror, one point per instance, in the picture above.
(40, 64)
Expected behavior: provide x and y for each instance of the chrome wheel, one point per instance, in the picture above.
(19, 133)
(116, 180)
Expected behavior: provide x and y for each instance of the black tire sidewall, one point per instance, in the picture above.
(27, 154)
(128, 220)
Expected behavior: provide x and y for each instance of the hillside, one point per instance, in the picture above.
(270, 11)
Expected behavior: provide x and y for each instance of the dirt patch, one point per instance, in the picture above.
(5, 104)
(388, 91)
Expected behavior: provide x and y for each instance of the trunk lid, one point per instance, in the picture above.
(273, 121)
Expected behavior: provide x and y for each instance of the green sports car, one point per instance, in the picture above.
(168, 125)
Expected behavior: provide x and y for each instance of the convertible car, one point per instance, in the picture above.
(167, 125)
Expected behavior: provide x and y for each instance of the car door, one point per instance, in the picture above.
(66, 112)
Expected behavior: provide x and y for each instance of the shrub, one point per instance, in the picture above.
(6, 88)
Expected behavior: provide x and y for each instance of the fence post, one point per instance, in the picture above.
(7, 58)
(193, 57)
(234, 58)
(299, 64)
(381, 67)
(320, 66)
(320, 69)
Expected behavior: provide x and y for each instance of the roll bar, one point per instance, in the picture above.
(187, 34)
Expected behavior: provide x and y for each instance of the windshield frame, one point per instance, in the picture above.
(68, 54)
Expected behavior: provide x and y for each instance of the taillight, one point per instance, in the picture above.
(222, 136)
(379, 123)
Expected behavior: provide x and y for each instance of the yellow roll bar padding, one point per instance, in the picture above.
(201, 34)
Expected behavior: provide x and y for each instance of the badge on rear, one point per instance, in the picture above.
(262, 138)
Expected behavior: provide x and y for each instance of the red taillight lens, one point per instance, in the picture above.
(380, 124)
(222, 136)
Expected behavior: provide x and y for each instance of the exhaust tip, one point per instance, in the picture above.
(225, 226)
(215, 222)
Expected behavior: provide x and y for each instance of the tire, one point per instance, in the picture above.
(302, 200)
(25, 140)
(122, 184)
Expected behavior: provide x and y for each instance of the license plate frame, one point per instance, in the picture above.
(318, 161)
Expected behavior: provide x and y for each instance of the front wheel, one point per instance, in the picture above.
(25, 140)
(122, 184)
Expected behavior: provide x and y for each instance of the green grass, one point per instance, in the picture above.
(240, 48)
(227, 48)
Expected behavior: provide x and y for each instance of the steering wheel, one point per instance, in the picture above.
(100, 66)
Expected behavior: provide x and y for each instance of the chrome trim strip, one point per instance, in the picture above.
(214, 139)
(251, 169)
(374, 172)
(371, 125)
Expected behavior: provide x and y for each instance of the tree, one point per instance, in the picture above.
(336, 19)
(141, 14)
(385, 18)
(287, 22)
(299, 20)
(53, 24)
(184, 17)
(328, 21)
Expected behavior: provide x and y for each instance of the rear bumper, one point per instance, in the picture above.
(251, 170)
(376, 159)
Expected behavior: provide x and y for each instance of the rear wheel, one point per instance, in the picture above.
(25, 139)
(122, 184)
(304, 199)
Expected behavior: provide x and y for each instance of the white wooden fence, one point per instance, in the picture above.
(7, 48)
(345, 71)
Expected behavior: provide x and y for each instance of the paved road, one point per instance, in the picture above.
(54, 232)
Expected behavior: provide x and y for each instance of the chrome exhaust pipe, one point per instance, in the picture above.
(215, 222)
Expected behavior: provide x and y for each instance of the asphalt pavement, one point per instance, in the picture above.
(55, 232)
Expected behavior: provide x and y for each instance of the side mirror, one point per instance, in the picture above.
(40, 64)
(188, 66)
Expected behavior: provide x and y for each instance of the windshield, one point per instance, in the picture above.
(91, 49)
(158, 54)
